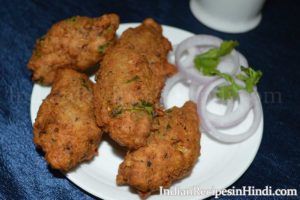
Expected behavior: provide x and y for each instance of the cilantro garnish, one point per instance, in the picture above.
(228, 91)
(143, 106)
(207, 63)
(140, 106)
(72, 19)
(250, 77)
(116, 111)
(103, 47)
(135, 78)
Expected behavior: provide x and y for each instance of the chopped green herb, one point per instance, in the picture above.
(41, 39)
(207, 64)
(37, 53)
(149, 163)
(147, 107)
(72, 19)
(109, 29)
(41, 80)
(135, 78)
(228, 91)
(168, 126)
(141, 106)
(251, 77)
(227, 46)
(210, 65)
(116, 111)
(169, 110)
(103, 47)
(159, 135)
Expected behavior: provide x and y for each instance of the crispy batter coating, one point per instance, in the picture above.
(78, 43)
(65, 127)
(172, 149)
(129, 82)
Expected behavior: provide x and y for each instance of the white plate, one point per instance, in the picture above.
(219, 166)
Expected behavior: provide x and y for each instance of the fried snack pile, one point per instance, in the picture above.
(78, 43)
(129, 82)
(65, 127)
(163, 146)
(172, 149)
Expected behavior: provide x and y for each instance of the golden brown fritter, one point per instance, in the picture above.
(129, 82)
(78, 43)
(65, 127)
(172, 149)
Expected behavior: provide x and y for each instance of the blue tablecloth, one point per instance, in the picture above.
(273, 47)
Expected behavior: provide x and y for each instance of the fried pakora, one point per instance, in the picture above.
(65, 127)
(78, 43)
(129, 83)
(172, 149)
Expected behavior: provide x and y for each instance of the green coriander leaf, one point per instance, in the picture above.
(227, 46)
(141, 106)
(228, 91)
(207, 62)
(212, 53)
(109, 29)
(227, 77)
(37, 53)
(103, 47)
(148, 107)
(41, 39)
(41, 80)
(116, 111)
(225, 92)
(169, 110)
(241, 77)
(145, 103)
(168, 126)
(72, 19)
(149, 110)
(207, 65)
(251, 77)
(135, 78)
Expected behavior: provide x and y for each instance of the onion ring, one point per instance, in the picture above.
(168, 86)
(194, 91)
(212, 131)
(187, 68)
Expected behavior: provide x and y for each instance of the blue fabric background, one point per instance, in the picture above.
(273, 47)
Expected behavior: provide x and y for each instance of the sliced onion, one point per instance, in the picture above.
(211, 129)
(243, 60)
(201, 87)
(232, 118)
(191, 46)
(169, 85)
(171, 55)
(194, 91)
(230, 107)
